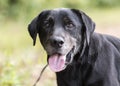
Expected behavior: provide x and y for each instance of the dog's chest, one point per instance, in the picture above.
(71, 76)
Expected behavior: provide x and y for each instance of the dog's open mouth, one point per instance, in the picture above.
(58, 62)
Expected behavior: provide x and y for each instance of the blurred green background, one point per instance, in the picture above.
(20, 62)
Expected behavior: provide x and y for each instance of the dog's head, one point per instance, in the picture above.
(62, 32)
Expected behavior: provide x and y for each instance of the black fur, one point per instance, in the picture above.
(96, 61)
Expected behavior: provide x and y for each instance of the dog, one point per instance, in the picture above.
(78, 55)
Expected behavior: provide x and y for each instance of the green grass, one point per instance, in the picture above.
(17, 55)
(21, 63)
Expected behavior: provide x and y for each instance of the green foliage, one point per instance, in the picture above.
(17, 9)
(17, 58)
(104, 3)
(9, 76)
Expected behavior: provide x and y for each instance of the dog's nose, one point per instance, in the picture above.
(57, 42)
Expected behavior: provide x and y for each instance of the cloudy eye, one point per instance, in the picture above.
(68, 23)
(46, 23)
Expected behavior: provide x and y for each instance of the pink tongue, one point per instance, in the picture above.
(57, 62)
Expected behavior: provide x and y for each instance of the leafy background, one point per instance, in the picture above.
(20, 62)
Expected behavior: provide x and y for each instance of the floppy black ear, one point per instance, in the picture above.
(35, 24)
(32, 29)
(88, 24)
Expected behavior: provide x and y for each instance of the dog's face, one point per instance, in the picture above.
(62, 32)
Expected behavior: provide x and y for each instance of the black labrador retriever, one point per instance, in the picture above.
(78, 55)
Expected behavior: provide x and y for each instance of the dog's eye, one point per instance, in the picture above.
(46, 23)
(69, 25)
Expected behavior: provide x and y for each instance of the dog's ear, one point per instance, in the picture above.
(32, 29)
(88, 23)
(35, 25)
